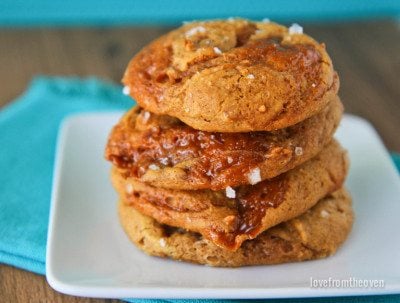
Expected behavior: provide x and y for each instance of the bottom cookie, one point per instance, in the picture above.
(316, 234)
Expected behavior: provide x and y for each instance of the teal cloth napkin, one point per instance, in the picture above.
(28, 131)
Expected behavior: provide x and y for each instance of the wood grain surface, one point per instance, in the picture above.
(366, 56)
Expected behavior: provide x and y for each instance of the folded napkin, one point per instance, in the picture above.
(28, 131)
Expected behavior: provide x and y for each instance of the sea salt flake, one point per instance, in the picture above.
(229, 159)
(254, 176)
(163, 161)
(129, 188)
(195, 30)
(146, 116)
(266, 20)
(295, 29)
(313, 85)
(324, 214)
(298, 151)
(162, 242)
(230, 192)
(126, 90)
(217, 50)
(154, 167)
(250, 76)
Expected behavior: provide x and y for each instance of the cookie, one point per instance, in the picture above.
(233, 76)
(164, 152)
(230, 217)
(315, 234)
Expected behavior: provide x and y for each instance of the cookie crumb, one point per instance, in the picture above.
(217, 50)
(298, 151)
(230, 192)
(262, 108)
(229, 159)
(195, 30)
(254, 176)
(250, 76)
(126, 90)
(154, 167)
(162, 242)
(295, 29)
(324, 214)
(129, 188)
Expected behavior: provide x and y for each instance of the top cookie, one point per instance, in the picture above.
(233, 76)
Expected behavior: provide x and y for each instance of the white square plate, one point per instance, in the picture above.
(88, 253)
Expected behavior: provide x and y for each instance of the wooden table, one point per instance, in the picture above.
(366, 56)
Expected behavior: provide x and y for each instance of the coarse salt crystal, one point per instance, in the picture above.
(295, 29)
(209, 173)
(154, 167)
(230, 192)
(266, 20)
(146, 117)
(129, 188)
(230, 160)
(250, 76)
(298, 151)
(195, 30)
(163, 161)
(126, 90)
(313, 85)
(217, 50)
(324, 214)
(162, 242)
(254, 176)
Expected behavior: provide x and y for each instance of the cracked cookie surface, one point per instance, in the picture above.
(164, 152)
(232, 216)
(233, 76)
(315, 234)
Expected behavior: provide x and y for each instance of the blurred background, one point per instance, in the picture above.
(86, 38)
(98, 38)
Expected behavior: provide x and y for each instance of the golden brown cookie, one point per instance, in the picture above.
(164, 152)
(230, 217)
(233, 76)
(316, 234)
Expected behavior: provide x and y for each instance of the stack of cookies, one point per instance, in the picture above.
(229, 158)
